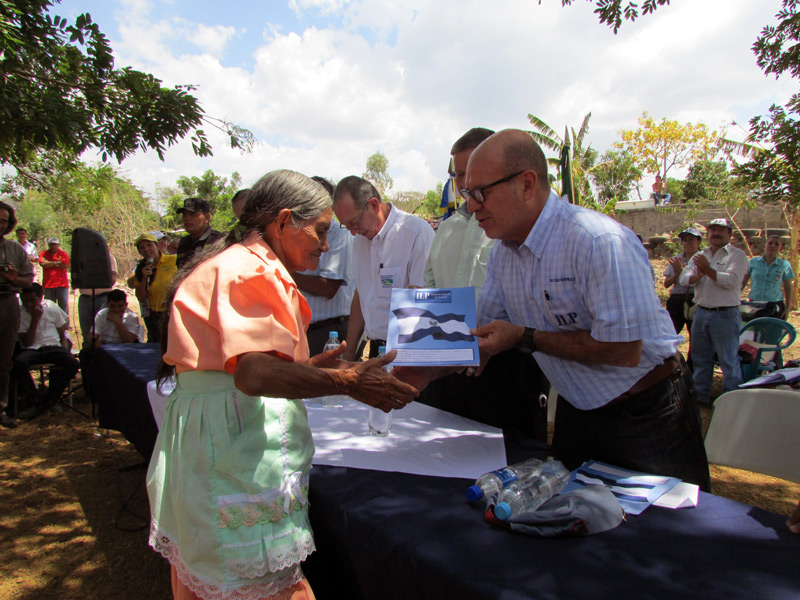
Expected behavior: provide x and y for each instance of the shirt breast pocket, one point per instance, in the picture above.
(388, 278)
(565, 310)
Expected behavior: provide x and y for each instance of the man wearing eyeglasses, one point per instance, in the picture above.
(389, 251)
(573, 287)
(512, 392)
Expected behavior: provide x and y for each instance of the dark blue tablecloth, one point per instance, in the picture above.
(387, 536)
(118, 385)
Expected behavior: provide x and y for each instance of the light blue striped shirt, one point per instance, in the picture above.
(336, 263)
(580, 270)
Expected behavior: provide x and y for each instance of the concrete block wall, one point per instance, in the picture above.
(673, 218)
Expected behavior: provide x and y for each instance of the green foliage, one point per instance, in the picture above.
(61, 92)
(215, 189)
(611, 12)
(707, 179)
(96, 197)
(377, 172)
(658, 146)
(583, 158)
(615, 177)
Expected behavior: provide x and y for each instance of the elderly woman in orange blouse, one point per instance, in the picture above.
(228, 481)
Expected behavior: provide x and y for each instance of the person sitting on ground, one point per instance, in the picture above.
(43, 337)
(771, 280)
(116, 323)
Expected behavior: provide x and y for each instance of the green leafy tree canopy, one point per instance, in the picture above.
(61, 92)
(377, 172)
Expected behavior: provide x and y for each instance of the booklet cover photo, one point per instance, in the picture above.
(431, 327)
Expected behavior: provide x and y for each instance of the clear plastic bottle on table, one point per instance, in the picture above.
(529, 494)
(335, 400)
(380, 423)
(489, 485)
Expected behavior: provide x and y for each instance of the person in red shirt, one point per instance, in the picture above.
(55, 264)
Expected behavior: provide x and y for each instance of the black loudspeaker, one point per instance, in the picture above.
(90, 262)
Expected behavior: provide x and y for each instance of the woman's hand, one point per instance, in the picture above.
(367, 382)
(331, 359)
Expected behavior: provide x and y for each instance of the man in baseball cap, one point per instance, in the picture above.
(196, 214)
(716, 274)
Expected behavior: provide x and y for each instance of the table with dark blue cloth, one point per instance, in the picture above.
(117, 383)
(384, 536)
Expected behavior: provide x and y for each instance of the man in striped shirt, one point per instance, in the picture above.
(573, 287)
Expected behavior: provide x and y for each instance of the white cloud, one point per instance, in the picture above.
(408, 77)
(211, 40)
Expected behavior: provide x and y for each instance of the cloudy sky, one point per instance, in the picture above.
(323, 84)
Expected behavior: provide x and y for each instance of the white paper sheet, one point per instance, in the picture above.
(423, 441)
(683, 495)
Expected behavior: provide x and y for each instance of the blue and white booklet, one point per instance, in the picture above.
(634, 490)
(431, 327)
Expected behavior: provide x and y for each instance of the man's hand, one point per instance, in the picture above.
(36, 311)
(11, 274)
(497, 337)
(147, 270)
(419, 377)
(702, 263)
(114, 317)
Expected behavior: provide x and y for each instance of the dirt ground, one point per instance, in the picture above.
(75, 513)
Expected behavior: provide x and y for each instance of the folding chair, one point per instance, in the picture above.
(765, 338)
(756, 430)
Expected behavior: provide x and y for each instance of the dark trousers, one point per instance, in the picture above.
(87, 310)
(511, 393)
(656, 431)
(153, 324)
(61, 374)
(676, 307)
(318, 334)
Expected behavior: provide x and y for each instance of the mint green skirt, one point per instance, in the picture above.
(228, 487)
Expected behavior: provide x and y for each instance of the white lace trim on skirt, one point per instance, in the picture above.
(282, 564)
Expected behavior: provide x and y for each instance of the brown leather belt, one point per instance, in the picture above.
(658, 374)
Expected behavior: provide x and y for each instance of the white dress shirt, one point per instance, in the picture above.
(394, 258)
(730, 263)
(108, 331)
(47, 330)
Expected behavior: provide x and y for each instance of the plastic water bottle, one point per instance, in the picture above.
(489, 485)
(335, 400)
(529, 494)
(380, 423)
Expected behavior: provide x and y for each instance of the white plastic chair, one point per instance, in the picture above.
(756, 430)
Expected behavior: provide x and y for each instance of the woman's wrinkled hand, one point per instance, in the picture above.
(367, 382)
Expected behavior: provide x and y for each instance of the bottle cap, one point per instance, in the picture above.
(474, 493)
(502, 511)
(381, 349)
(334, 334)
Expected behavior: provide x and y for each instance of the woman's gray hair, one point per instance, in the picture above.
(280, 189)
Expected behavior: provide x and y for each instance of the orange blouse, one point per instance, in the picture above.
(241, 300)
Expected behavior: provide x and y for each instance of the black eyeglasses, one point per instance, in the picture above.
(357, 223)
(477, 193)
